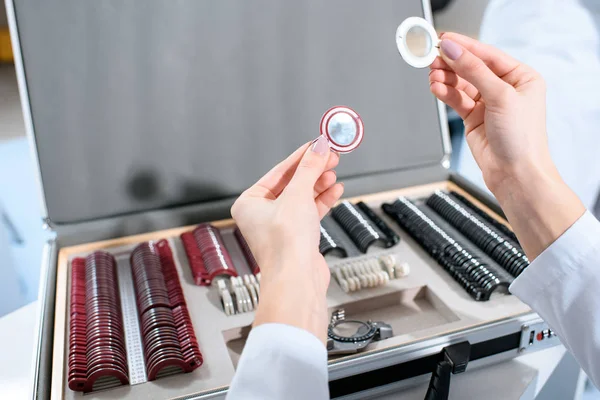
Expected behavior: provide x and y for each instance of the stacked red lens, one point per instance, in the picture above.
(207, 254)
(247, 252)
(166, 328)
(96, 336)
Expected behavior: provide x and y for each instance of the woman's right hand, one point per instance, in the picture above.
(503, 105)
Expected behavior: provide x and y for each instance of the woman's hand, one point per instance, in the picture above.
(279, 217)
(503, 105)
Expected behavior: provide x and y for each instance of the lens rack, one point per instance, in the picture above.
(494, 243)
(207, 255)
(359, 227)
(250, 260)
(467, 265)
(239, 295)
(168, 336)
(334, 240)
(509, 235)
(391, 237)
(97, 351)
(368, 272)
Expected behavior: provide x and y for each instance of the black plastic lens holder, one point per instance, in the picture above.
(497, 225)
(478, 277)
(357, 225)
(391, 237)
(329, 243)
(494, 243)
(334, 241)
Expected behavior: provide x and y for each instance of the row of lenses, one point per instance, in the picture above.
(361, 230)
(478, 278)
(207, 255)
(501, 228)
(247, 252)
(96, 335)
(502, 250)
(332, 241)
(391, 238)
(166, 328)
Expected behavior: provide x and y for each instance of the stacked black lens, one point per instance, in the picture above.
(487, 218)
(334, 241)
(494, 243)
(328, 244)
(391, 238)
(361, 230)
(478, 277)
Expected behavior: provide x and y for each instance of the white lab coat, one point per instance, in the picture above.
(561, 40)
(561, 284)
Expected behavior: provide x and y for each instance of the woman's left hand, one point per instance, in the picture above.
(279, 217)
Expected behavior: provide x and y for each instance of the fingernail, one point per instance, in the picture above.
(451, 49)
(320, 146)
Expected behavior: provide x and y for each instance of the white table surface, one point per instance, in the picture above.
(16, 356)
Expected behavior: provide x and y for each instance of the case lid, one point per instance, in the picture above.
(145, 105)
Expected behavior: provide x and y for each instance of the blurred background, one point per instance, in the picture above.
(21, 233)
(560, 39)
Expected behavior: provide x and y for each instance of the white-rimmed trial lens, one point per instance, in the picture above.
(417, 42)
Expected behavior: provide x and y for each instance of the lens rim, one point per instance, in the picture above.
(324, 128)
(408, 56)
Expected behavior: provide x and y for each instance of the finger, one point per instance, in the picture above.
(475, 119)
(499, 62)
(476, 72)
(457, 99)
(310, 168)
(439, 63)
(324, 182)
(274, 181)
(328, 198)
(279, 176)
(333, 161)
(451, 79)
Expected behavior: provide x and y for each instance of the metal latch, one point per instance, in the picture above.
(537, 336)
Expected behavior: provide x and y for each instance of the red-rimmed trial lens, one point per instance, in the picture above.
(343, 128)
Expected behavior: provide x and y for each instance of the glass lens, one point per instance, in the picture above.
(342, 129)
(418, 41)
(350, 329)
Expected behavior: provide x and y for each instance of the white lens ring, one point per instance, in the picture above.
(408, 56)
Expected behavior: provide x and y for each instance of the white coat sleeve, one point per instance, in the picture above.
(563, 286)
(281, 362)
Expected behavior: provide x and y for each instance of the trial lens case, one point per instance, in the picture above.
(147, 118)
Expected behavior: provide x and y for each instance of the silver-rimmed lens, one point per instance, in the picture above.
(349, 329)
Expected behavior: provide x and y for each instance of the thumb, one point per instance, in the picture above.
(311, 167)
(475, 71)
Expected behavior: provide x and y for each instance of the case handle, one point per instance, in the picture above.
(454, 361)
